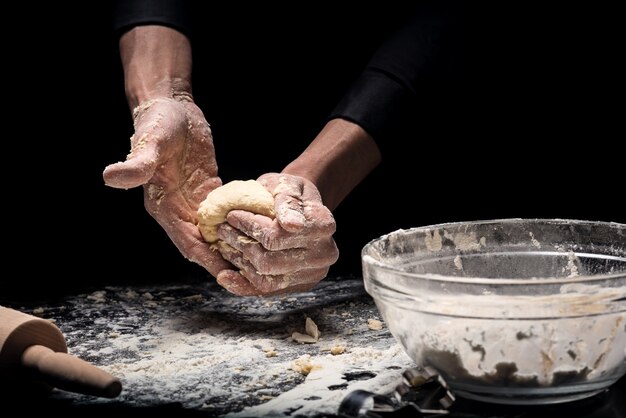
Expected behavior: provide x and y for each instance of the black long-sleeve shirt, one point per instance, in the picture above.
(418, 52)
(499, 90)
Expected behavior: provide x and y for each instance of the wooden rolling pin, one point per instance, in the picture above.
(33, 350)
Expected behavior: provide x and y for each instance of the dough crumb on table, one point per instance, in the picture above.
(303, 338)
(312, 333)
(303, 365)
(374, 324)
(338, 349)
(312, 329)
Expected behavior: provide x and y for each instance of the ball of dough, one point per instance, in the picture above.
(247, 195)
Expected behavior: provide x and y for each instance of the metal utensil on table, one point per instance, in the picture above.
(422, 393)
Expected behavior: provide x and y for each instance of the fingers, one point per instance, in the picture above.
(138, 169)
(189, 242)
(288, 204)
(320, 254)
(298, 203)
(235, 283)
(266, 231)
(271, 284)
(273, 237)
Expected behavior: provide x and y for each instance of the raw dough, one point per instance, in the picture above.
(374, 324)
(312, 333)
(311, 329)
(303, 365)
(303, 338)
(338, 349)
(238, 194)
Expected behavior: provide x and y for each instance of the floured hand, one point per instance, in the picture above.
(290, 253)
(173, 157)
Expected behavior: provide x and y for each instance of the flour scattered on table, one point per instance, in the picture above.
(194, 298)
(328, 380)
(217, 354)
(99, 296)
(129, 294)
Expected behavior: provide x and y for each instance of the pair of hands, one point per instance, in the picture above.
(173, 157)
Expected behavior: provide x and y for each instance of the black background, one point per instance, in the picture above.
(534, 130)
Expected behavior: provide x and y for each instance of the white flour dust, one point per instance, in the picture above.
(326, 384)
(195, 351)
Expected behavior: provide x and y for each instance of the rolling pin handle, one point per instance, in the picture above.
(70, 373)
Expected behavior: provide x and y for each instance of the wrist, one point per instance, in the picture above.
(337, 160)
(138, 92)
(157, 63)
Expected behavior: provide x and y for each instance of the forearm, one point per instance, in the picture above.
(337, 160)
(157, 63)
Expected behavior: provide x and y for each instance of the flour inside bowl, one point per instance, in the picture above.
(517, 352)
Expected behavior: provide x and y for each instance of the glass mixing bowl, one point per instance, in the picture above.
(508, 311)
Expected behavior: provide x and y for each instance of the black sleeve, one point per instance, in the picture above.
(173, 13)
(412, 57)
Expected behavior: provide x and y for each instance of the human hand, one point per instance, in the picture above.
(290, 253)
(173, 157)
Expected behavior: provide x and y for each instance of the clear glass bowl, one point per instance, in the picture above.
(508, 311)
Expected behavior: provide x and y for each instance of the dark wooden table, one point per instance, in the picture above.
(191, 349)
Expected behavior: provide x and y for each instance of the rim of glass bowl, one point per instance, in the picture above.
(484, 280)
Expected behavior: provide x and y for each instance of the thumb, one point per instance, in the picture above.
(138, 168)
